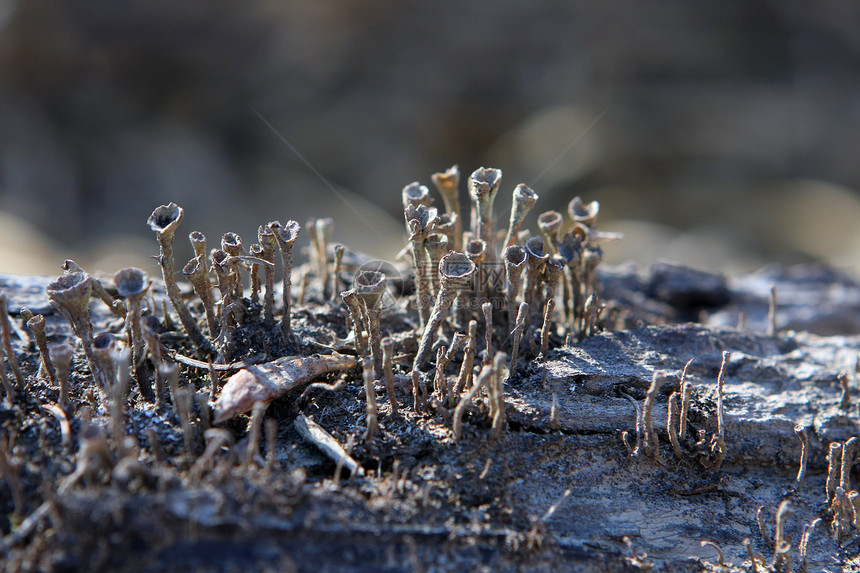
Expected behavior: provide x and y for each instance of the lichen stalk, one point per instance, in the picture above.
(36, 324)
(469, 354)
(419, 223)
(483, 187)
(6, 329)
(266, 237)
(455, 271)
(370, 391)
(387, 358)
(515, 259)
(164, 221)
(448, 185)
(483, 379)
(523, 201)
(286, 236)
(195, 272)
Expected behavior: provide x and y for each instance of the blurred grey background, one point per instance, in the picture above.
(719, 133)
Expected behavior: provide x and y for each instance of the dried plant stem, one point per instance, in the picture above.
(469, 353)
(36, 324)
(781, 547)
(720, 439)
(487, 310)
(671, 425)
(387, 357)
(118, 392)
(686, 390)
(517, 335)
(762, 526)
(834, 463)
(845, 399)
(804, 543)
(771, 311)
(335, 282)
(847, 463)
(544, 332)
(651, 445)
(370, 391)
(254, 435)
(316, 435)
(6, 328)
(497, 396)
(483, 378)
(804, 454)
(353, 305)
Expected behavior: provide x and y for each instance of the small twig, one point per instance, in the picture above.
(804, 454)
(762, 526)
(721, 560)
(316, 435)
(686, 391)
(834, 463)
(771, 311)
(671, 428)
(804, 543)
(65, 427)
(483, 378)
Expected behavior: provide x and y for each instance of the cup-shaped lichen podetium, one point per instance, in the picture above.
(416, 194)
(231, 243)
(132, 284)
(549, 223)
(195, 272)
(420, 221)
(437, 246)
(523, 201)
(370, 288)
(515, 259)
(582, 213)
(267, 239)
(70, 294)
(483, 187)
(537, 259)
(448, 185)
(455, 272)
(164, 221)
(286, 236)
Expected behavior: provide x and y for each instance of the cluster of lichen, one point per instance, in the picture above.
(483, 298)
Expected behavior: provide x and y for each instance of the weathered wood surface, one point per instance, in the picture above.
(428, 503)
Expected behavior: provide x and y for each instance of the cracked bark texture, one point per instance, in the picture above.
(430, 504)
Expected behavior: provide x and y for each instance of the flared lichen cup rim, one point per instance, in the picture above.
(193, 267)
(550, 221)
(131, 282)
(436, 241)
(70, 288)
(581, 212)
(421, 215)
(535, 248)
(370, 286)
(286, 234)
(485, 181)
(515, 256)
(448, 179)
(525, 196)
(415, 192)
(476, 248)
(456, 267)
(165, 218)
